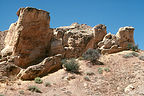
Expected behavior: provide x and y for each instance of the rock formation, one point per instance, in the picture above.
(49, 64)
(115, 43)
(8, 71)
(73, 40)
(2, 37)
(29, 38)
(31, 44)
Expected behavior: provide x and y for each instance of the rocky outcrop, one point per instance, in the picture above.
(31, 44)
(125, 35)
(8, 71)
(49, 64)
(72, 41)
(2, 37)
(115, 43)
(29, 38)
(99, 31)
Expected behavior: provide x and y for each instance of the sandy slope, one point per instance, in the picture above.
(125, 78)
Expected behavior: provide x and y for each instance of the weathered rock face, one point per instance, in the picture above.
(8, 71)
(48, 65)
(29, 38)
(72, 41)
(2, 37)
(125, 35)
(99, 31)
(115, 43)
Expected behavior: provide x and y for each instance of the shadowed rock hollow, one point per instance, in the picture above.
(31, 44)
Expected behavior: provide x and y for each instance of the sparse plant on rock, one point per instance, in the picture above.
(100, 70)
(86, 78)
(47, 84)
(21, 92)
(71, 65)
(34, 89)
(132, 47)
(1, 95)
(107, 69)
(92, 55)
(38, 80)
(89, 73)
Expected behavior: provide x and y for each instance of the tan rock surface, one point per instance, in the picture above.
(72, 40)
(116, 43)
(2, 37)
(48, 65)
(29, 38)
(8, 71)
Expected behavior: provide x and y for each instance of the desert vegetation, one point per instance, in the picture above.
(71, 65)
(91, 55)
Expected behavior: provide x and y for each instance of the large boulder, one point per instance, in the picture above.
(125, 35)
(29, 38)
(115, 43)
(49, 64)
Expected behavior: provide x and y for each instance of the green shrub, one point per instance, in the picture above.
(107, 69)
(86, 78)
(47, 84)
(135, 54)
(21, 92)
(71, 65)
(141, 57)
(132, 47)
(132, 54)
(100, 70)
(38, 80)
(92, 55)
(80, 58)
(1, 95)
(89, 73)
(34, 89)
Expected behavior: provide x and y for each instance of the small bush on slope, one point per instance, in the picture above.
(38, 80)
(132, 47)
(141, 57)
(21, 92)
(34, 89)
(71, 65)
(100, 70)
(132, 54)
(86, 78)
(92, 55)
(47, 84)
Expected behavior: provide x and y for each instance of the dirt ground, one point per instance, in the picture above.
(117, 77)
